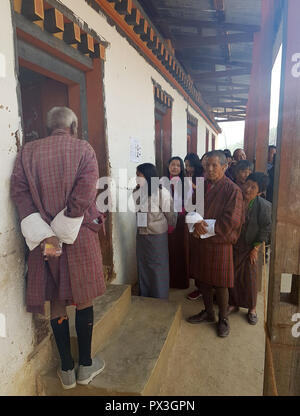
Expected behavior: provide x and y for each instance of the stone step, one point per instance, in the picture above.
(109, 311)
(136, 355)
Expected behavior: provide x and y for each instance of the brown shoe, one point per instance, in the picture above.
(201, 317)
(252, 318)
(223, 328)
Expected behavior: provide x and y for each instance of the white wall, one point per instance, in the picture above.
(16, 344)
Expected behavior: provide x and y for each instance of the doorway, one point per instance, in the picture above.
(38, 95)
(163, 137)
(191, 138)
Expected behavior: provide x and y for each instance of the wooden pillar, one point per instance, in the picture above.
(251, 115)
(264, 95)
(284, 308)
(256, 138)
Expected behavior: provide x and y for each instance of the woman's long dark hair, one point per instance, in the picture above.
(195, 162)
(149, 171)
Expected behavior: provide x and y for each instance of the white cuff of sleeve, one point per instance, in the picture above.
(35, 230)
(191, 219)
(65, 228)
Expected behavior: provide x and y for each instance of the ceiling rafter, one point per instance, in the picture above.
(221, 74)
(219, 93)
(217, 61)
(194, 41)
(218, 83)
(181, 22)
(218, 104)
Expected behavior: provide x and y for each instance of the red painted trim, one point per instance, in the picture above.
(52, 51)
(43, 71)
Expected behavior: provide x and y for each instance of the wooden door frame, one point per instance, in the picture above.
(207, 140)
(194, 137)
(165, 113)
(42, 52)
(213, 142)
(39, 61)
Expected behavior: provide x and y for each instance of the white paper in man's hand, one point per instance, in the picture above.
(210, 229)
(193, 217)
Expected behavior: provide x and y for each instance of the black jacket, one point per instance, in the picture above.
(259, 222)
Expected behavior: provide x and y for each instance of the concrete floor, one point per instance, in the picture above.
(202, 364)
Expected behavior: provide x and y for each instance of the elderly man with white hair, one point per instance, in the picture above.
(54, 188)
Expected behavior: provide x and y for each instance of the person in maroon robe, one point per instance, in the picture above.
(212, 257)
(177, 236)
(54, 188)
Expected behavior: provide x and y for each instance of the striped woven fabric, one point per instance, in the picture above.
(49, 175)
(211, 260)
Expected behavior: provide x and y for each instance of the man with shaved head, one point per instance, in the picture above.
(54, 188)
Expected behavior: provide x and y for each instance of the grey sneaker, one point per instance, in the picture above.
(86, 373)
(67, 378)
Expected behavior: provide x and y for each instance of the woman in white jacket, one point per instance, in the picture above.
(155, 213)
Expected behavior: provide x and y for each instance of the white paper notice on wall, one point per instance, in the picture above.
(2, 326)
(135, 150)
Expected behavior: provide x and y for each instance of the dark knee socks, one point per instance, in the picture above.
(60, 327)
(84, 321)
(222, 301)
(222, 296)
(207, 294)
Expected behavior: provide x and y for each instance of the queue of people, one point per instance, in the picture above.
(60, 222)
(224, 264)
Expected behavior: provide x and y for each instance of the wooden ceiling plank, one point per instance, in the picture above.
(222, 93)
(194, 61)
(182, 22)
(194, 41)
(221, 74)
(218, 83)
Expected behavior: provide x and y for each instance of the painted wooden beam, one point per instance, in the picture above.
(33, 9)
(124, 7)
(142, 27)
(72, 35)
(134, 18)
(54, 21)
(87, 44)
